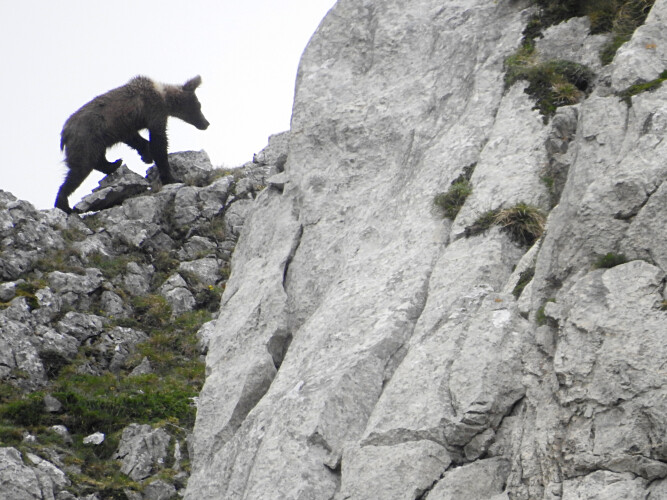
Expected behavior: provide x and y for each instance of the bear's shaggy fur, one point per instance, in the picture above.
(118, 116)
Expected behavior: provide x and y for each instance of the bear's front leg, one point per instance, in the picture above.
(158, 148)
(141, 146)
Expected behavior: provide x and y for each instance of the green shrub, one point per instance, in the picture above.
(8, 392)
(549, 13)
(451, 202)
(10, 435)
(540, 317)
(65, 260)
(53, 362)
(618, 17)
(112, 266)
(628, 15)
(638, 88)
(551, 83)
(71, 235)
(165, 265)
(482, 223)
(208, 298)
(107, 403)
(525, 277)
(215, 229)
(27, 289)
(608, 52)
(28, 410)
(151, 310)
(610, 260)
(103, 477)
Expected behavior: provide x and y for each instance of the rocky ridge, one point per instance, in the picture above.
(104, 319)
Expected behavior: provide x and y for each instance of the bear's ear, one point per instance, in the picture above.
(192, 84)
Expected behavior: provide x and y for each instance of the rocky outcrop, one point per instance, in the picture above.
(99, 355)
(366, 348)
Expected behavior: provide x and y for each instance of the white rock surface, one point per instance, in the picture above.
(366, 349)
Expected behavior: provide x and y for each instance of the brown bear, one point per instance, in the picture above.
(118, 116)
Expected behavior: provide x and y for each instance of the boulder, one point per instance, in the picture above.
(20, 481)
(190, 167)
(113, 190)
(142, 451)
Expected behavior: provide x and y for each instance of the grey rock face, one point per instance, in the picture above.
(366, 348)
(570, 40)
(142, 449)
(137, 279)
(275, 154)
(113, 189)
(643, 58)
(159, 490)
(186, 166)
(76, 290)
(117, 345)
(206, 270)
(83, 327)
(25, 233)
(18, 355)
(482, 480)
(329, 273)
(22, 482)
(7, 291)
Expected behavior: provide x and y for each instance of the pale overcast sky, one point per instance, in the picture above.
(56, 56)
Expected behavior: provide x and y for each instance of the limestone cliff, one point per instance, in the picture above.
(368, 348)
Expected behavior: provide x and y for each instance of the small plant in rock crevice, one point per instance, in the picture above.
(540, 317)
(27, 289)
(552, 83)
(525, 277)
(113, 266)
(66, 260)
(620, 18)
(524, 223)
(610, 260)
(482, 223)
(638, 88)
(450, 202)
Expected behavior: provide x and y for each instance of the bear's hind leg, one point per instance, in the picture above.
(73, 180)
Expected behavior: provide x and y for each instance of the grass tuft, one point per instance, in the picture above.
(524, 223)
(451, 202)
(610, 260)
(525, 277)
(551, 83)
(638, 88)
